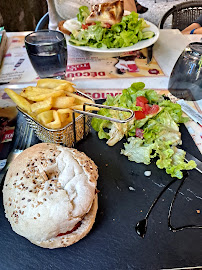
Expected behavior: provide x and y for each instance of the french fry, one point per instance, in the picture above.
(66, 122)
(45, 117)
(80, 98)
(37, 90)
(65, 115)
(56, 84)
(39, 94)
(56, 123)
(20, 101)
(51, 102)
(63, 102)
(41, 106)
(66, 86)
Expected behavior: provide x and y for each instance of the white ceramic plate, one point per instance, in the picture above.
(140, 45)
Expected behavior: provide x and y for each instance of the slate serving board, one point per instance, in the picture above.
(125, 196)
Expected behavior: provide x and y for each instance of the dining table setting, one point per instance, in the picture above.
(148, 216)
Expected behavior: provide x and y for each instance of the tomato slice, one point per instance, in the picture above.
(139, 133)
(74, 229)
(154, 109)
(140, 100)
(139, 115)
(107, 25)
(84, 26)
(146, 109)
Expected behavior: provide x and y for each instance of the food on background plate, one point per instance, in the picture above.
(51, 102)
(154, 133)
(50, 195)
(105, 27)
(106, 13)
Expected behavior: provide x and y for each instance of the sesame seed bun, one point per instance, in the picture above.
(49, 195)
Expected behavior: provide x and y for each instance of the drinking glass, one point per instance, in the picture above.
(186, 77)
(47, 52)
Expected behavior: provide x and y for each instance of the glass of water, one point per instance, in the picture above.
(47, 52)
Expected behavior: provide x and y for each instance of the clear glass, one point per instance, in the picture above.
(186, 77)
(47, 52)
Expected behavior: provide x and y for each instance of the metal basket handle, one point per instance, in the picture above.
(105, 117)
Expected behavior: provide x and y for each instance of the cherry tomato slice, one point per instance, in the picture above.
(154, 109)
(141, 99)
(84, 26)
(107, 25)
(146, 109)
(139, 115)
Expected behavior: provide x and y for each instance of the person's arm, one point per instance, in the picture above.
(195, 26)
(130, 5)
(198, 31)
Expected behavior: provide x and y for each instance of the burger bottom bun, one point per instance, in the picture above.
(75, 236)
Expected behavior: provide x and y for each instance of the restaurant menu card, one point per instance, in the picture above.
(84, 65)
(8, 113)
(16, 66)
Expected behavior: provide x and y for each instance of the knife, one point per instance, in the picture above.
(189, 157)
(193, 114)
(149, 53)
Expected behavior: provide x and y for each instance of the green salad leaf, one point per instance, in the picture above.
(160, 133)
(83, 14)
(126, 33)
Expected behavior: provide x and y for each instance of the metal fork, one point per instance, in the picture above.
(22, 142)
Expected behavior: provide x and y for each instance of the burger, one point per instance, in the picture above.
(50, 195)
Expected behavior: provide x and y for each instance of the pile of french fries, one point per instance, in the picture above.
(50, 102)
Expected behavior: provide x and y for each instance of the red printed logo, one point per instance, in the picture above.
(78, 67)
(154, 71)
(8, 135)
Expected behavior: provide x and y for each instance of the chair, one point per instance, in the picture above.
(43, 22)
(182, 14)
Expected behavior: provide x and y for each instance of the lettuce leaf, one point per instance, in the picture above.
(137, 151)
(84, 12)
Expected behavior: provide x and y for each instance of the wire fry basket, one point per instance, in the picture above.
(68, 135)
(77, 129)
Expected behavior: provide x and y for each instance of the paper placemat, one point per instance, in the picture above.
(16, 66)
(84, 65)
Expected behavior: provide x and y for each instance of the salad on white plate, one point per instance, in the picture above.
(129, 31)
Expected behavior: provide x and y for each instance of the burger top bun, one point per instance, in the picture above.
(49, 195)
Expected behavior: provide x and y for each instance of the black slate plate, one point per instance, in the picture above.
(124, 198)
